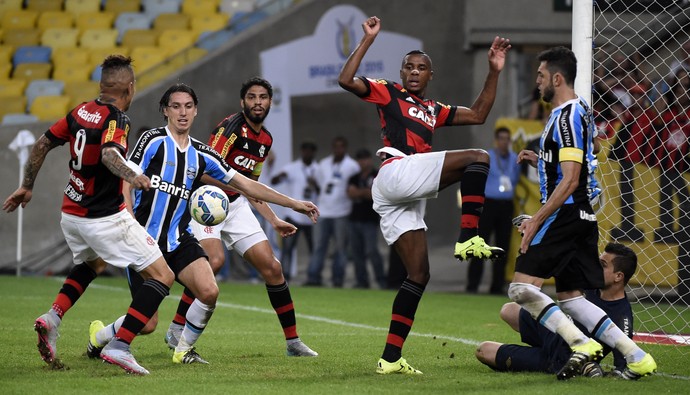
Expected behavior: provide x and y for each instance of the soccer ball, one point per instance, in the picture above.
(208, 205)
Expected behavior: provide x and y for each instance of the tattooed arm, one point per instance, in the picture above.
(23, 194)
(113, 160)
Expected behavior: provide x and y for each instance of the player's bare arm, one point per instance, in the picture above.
(260, 191)
(565, 188)
(477, 113)
(528, 156)
(347, 79)
(283, 228)
(23, 194)
(113, 160)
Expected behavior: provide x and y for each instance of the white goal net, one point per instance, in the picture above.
(641, 101)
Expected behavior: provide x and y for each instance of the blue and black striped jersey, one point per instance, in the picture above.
(568, 137)
(174, 174)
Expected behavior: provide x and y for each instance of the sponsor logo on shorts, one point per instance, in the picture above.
(150, 241)
(208, 229)
(587, 216)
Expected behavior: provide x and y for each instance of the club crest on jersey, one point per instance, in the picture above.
(191, 173)
(262, 150)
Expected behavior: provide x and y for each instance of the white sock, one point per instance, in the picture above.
(108, 332)
(197, 317)
(542, 308)
(602, 328)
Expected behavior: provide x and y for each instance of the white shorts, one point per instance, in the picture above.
(118, 239)
(400, 191)
(240, 230)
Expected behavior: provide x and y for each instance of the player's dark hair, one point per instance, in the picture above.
(500, 130)
(256, 81)
(179, 87)
(112, 66)
(560, 60)
(625, 260)
(417, 52)
(340, 139)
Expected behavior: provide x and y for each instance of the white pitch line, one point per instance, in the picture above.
(343, 323)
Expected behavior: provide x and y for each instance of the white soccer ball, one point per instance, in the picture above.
(209, 205)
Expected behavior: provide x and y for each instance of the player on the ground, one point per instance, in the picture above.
(244, 143)
(546, 351)
(561, 238)
(412, 173)
(96, 225)
(175, 162)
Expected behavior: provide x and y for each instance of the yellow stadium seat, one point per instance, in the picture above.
(199, 7)
(185, 57)
(19, 19)
(120, 6)
(13, 105)
(21, 37)
(71, 73)
(139, 37)
(171, 21)
(44, 5)
(55, 19)
(64, 56)
(60, 37)
(80, 91)
(209, 22)
(12, 88)
(94, 20)
(145, 58)
(5, 70)
(32, 71)
(77, 7)
(98, 55)
(50, 108)
(9, 5)
(175, 40)
(6, 52)
(98, 38)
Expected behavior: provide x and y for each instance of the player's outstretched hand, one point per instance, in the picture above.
(497, 53)
(528, 156)
(284, 228)
(307, 208)
(141, 182)
(371, 26)
(20, 196)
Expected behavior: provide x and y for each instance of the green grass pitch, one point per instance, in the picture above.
(246, 348)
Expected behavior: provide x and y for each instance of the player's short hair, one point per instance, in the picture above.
(625, 260)
(308, 145)
(256, 81)
(500, 130)
(560, 60)
(362, 153)
(111, 68)
(416, 52)
(178, 87)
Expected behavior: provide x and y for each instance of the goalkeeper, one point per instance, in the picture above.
(546, 351)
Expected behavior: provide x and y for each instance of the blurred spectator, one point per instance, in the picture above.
(334, 207)
(671, 148)
(630, 148)
(539, 109)
(682, 60)
(504, 172)
(364, 223)
(299, 177)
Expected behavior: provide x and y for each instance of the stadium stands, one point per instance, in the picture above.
(60, 37)
(50, 108)
(31, 54)
(131, 20)
(18, 119)
(55, 19)
(42, 87)
(120, 6)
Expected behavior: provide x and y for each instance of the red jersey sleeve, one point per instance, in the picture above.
(378, 91)
(445, 114)
(59, 132)
(220, 141)
(116, 132)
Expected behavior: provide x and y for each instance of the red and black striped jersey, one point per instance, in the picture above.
(243, 148)
(407, 122)
(670, 144)
(92, 191)
(632, 140)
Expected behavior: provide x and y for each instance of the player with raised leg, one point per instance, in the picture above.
(561, 238)
(411, 173)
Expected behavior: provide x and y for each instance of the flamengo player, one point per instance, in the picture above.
(244, 143)
(412, 173)
(94, 221)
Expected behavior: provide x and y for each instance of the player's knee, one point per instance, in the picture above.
(508, 311)
(481, 155)
(216, 261)
(483, 354)
(520, 293)
(272, 272)
(208, 294)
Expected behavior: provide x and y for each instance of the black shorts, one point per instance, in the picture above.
(566, 247)
(187, 252)
(547, 352)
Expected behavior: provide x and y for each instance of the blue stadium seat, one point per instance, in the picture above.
(131, 20)
(242, 20)
(18, 119)
(31, 54)
(96, 73)
(153, 8)
(42, 88)
(213, 40)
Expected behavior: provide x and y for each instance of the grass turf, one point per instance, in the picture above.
(246, 349)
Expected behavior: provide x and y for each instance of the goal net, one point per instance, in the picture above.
(641, 104)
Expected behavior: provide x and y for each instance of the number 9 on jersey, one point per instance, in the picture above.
(208, 205)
